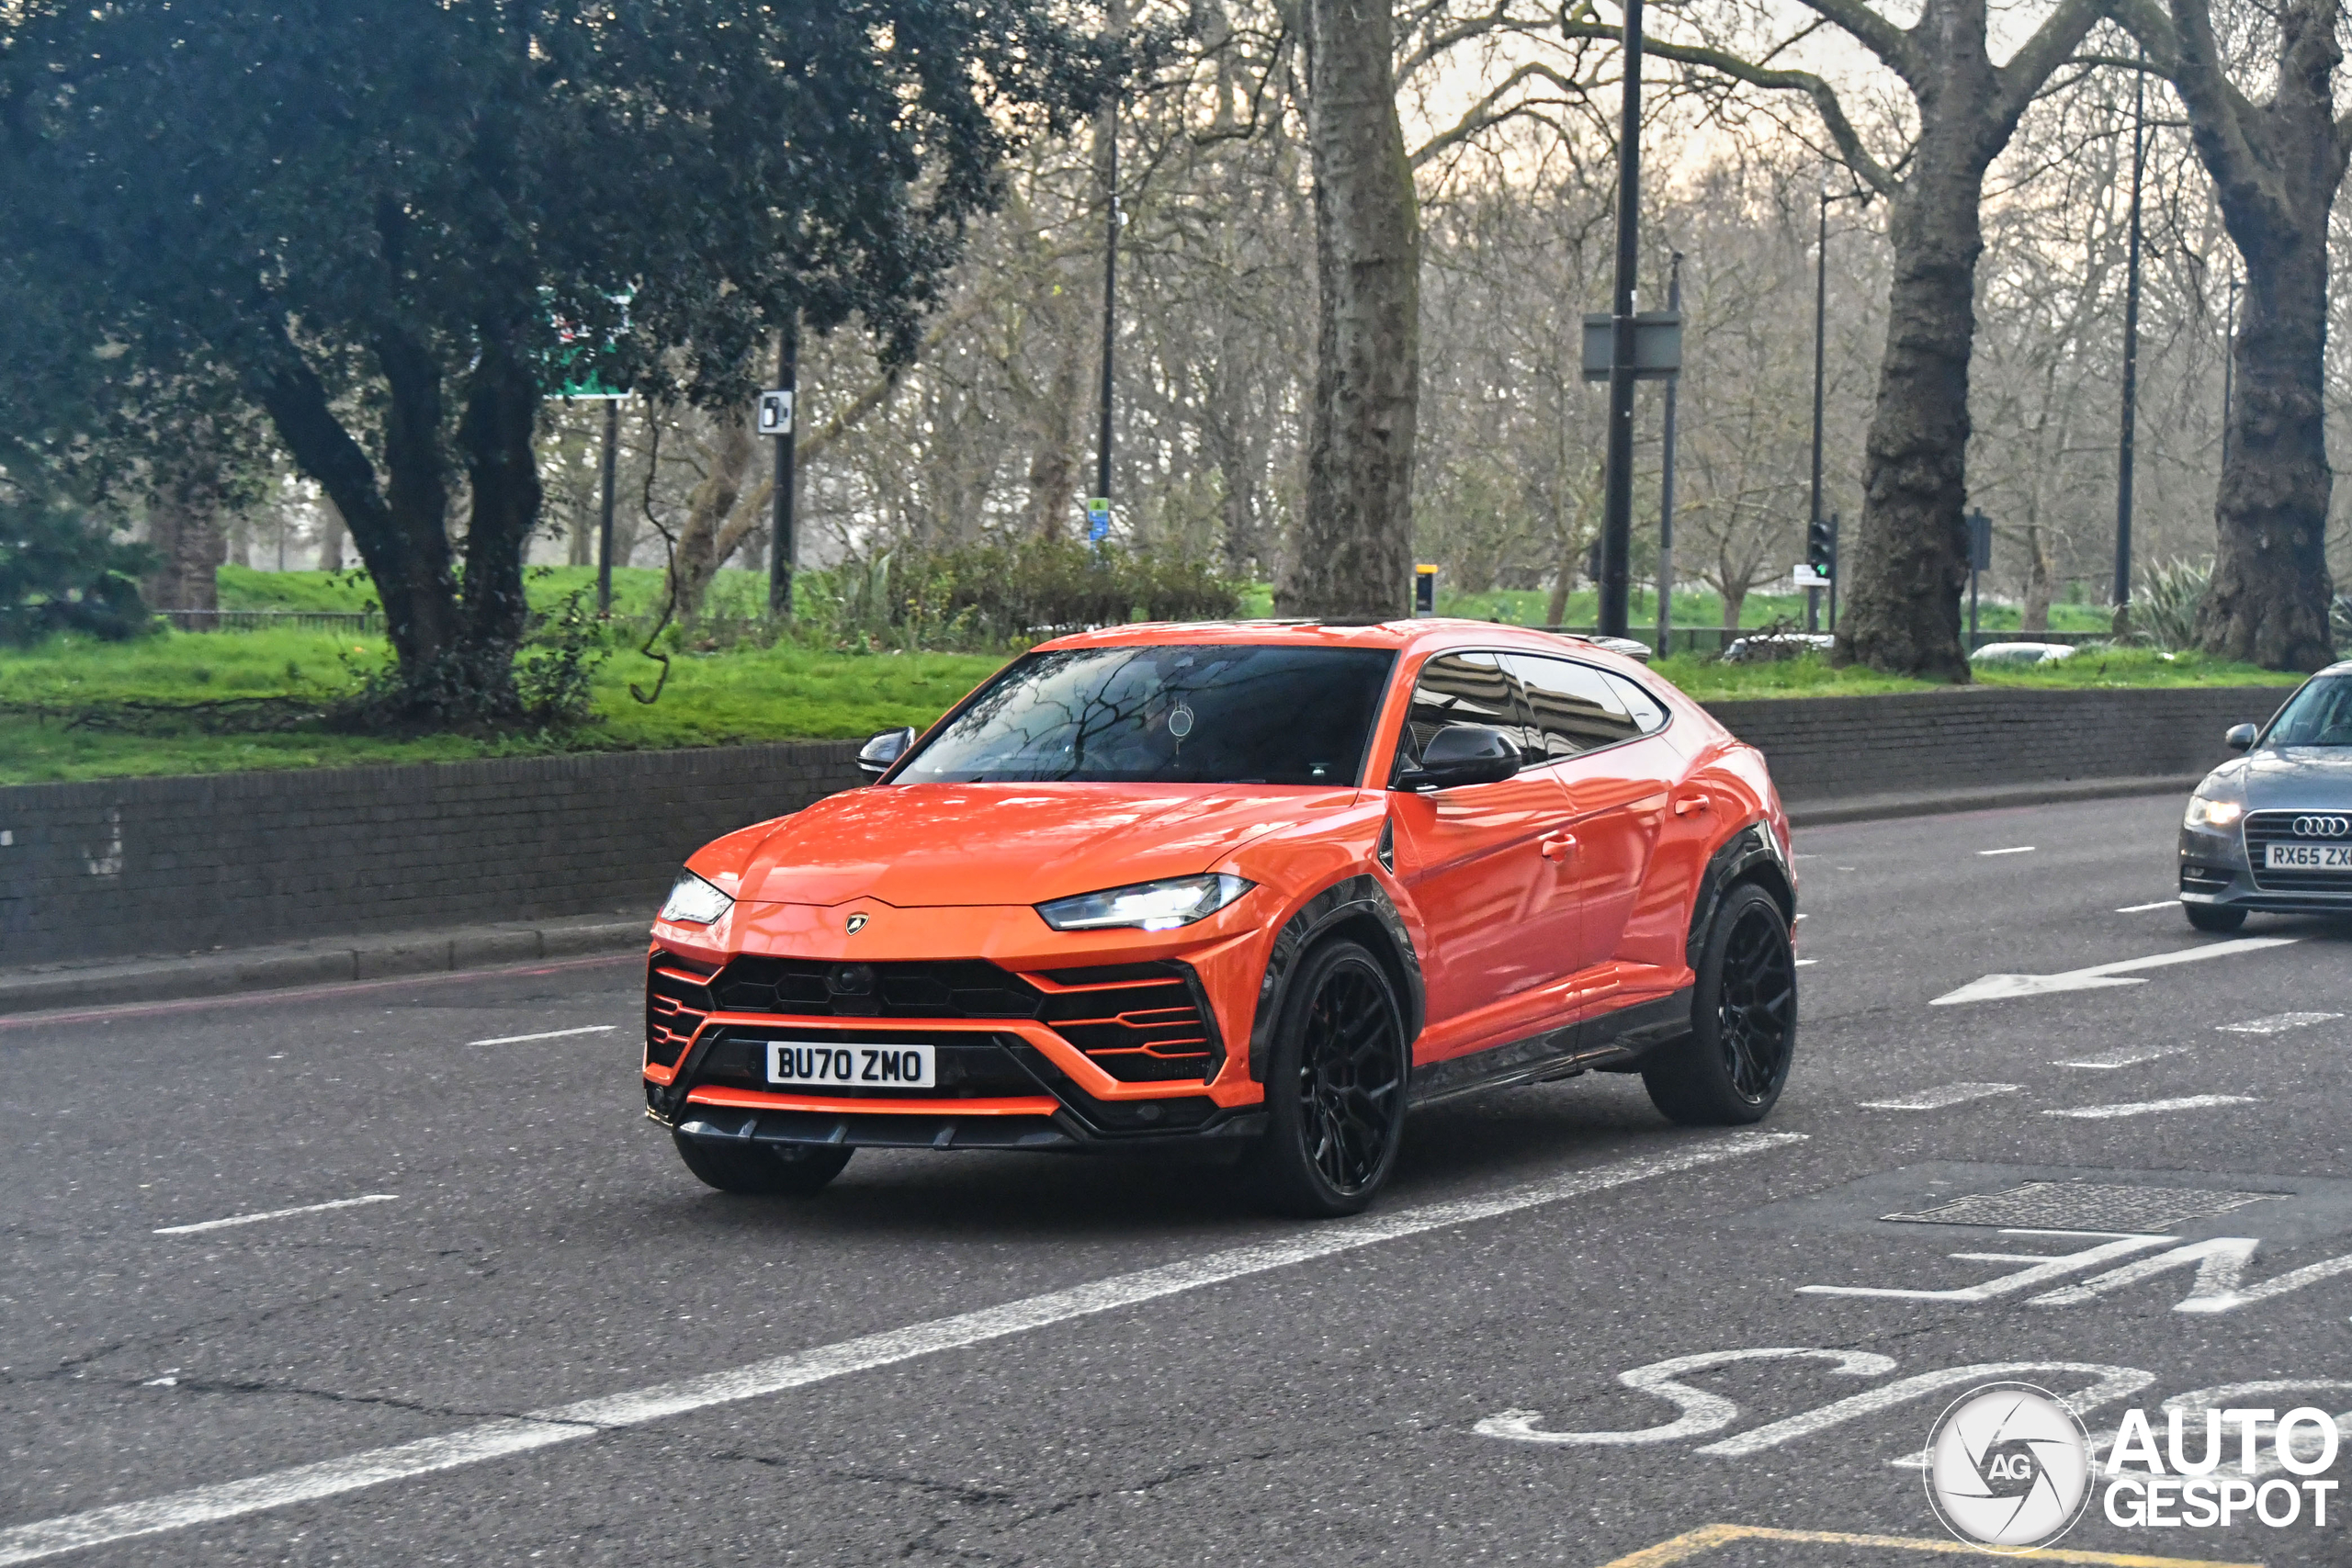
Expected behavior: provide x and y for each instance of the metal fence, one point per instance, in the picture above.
(361, 621)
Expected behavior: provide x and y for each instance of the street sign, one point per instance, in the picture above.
(1980, 542)
(1098, 519)
(1657, 344)
(776, 413)
(1809, 577)
(1425, 590)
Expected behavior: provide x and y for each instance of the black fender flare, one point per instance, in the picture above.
(1355, 898)
(1752, 854)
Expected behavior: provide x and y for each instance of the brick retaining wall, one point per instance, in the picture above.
(127, 866)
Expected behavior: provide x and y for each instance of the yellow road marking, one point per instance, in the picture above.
(1708, 1537)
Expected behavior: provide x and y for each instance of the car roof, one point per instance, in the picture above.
(1429, 633)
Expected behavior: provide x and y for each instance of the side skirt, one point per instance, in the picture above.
(1614, 1041)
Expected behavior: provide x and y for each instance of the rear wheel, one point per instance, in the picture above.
(2213, 917)
(1731, 1067)
(1335, 1087)
(762, 1169)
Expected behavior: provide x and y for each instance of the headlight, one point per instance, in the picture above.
(1154, 905)
(2218, 803)
(695, 902)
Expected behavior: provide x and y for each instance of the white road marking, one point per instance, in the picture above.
(1699, 1412)
(548, 1034)
(2150, 1107)
(2014, 850)
(587, 1418)
(2143, 909)
(2044, 1268)
(276, 1215)
(2123, 1057)
(1995, 987)
(2280, 1023)
(1802, 962)
(1937, 1099)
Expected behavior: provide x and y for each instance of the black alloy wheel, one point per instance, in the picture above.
(761, 1171)
(1335, 1087)
(1732, 1067)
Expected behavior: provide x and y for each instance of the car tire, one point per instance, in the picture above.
(2213, 918)
(1336, 1082)
(761, 1171)
(1730, 1069)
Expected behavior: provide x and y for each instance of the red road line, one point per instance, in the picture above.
(301, 992)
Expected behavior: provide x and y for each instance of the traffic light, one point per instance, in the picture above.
(1820, 548)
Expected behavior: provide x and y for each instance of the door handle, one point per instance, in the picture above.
(1691, 803)
(1557, 847)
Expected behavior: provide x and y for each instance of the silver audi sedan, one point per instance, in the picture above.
(2272, 829)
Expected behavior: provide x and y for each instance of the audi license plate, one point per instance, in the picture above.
(806, 1062)
(2310, 857)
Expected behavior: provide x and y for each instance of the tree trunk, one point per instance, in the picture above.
(184, 527)
(1735, 605)
(1910, 554)
(702, 545)
(2036, 616)
(1053, 464)
(332, 534)
(1352, 549)
(2271, 589)
(501, 464)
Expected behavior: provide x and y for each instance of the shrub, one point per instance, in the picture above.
(60, 572)
(989, 596)
(2164, 609)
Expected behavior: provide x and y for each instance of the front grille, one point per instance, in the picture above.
(967, 1066)
(2264, 828)
(676, 999)
(802, 987)
(1140, 1022)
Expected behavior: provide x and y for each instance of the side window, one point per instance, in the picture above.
(1649, 713)
(1462, 688)
(1575, 706)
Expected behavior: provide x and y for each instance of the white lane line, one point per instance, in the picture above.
(2279, 1024)
(276, 1215)
(1938, 1099)
(2150, 1107)
(2013, 850)
(1995, 987)
(2123, 1057)
(565, 1423)
(1802, 962)
(546, 1034)
(2143, 909)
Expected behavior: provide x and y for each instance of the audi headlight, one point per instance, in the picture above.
(693, 902)
(1152, 906)
(2218, 803)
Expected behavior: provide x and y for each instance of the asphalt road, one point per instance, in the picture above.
(1177, 1379)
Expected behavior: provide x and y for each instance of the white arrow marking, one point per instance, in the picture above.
(1994, 988)
(2152, 1107)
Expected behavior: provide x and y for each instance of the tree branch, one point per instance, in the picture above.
(1483, 114)
(2047, 50)
(1890, 43)
(1825, 97)
(2218, 114)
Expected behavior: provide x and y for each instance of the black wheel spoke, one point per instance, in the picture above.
(1351, 1064)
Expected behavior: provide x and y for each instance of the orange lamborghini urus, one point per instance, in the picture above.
(1264, 886)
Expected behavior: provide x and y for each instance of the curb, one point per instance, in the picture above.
(314, 962)
(1885, 808)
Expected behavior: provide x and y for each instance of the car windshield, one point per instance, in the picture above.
(1195, 713)
(2319, 714)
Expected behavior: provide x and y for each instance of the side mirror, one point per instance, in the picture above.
(1462, 754)
(2241, 737)
(874, 759)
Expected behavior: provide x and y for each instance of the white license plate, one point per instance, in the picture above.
(808, 1061)
(2309, 857)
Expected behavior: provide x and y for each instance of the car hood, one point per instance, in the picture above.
(916, 845)
(2297, 776)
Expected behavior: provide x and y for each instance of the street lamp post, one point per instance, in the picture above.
(1820, 360)
(2123, 622)
(1109, 292)
(2229, 369)
(781, 553)
(1617, 515)
(1666, 479)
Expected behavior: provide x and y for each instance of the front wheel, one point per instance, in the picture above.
(2213, 917)
(1731, 1067)
(761, 1171)
(1335, 1087)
